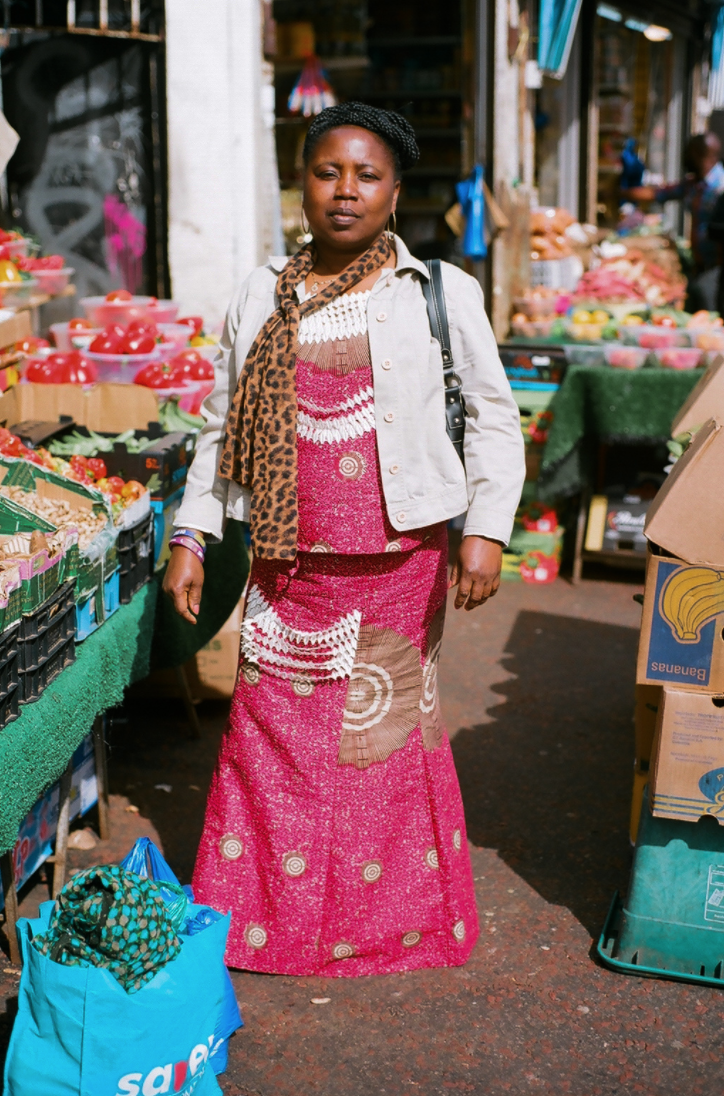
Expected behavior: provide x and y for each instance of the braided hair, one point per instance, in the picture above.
(392, 128)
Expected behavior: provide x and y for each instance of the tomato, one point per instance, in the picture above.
(97, 468)
(30, 345)
(115, 484)
(142, 327)
(12, 447)
(79, 462)
(79, 324)
(141, 343)
(152, 302)
(119, 295)
(38, 371)
(664, 321)
(72, 368)
(132, 491)
(107, 343)
(195, 322)
(189, 365)
(156, 375)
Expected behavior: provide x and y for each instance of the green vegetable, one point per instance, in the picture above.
(77, 444)
(174, 420)
(154, 484)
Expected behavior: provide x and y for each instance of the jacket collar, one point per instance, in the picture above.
(405, 261)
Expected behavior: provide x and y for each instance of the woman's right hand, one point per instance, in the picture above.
(184, 581)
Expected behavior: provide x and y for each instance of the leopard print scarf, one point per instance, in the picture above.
(260, 441)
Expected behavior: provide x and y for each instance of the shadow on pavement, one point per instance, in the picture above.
(547, 783)
(149, 745)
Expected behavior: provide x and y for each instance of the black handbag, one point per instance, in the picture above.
(437, 313)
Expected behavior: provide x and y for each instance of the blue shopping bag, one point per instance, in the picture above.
(78, 1033)
(145, 860)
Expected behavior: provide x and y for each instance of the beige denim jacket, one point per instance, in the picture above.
(422, 477)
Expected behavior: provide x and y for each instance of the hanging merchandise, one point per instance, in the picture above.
(632, 168)
(471, 196)
(716, 75)
(312, 92)
(558, 22)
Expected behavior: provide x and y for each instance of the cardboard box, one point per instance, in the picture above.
(688, 776)
(704, 402)
(686, 518)
(682, 629)
(109, 408)
(217, 664)
(14, 328)
(646, 711)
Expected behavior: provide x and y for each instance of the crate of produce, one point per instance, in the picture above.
(11, 594)
(154, 457)
(9, 660)
(532, 557)
(43, 632)
(44, 560)
(34, 682)
(164, 514)
(135, 557)
(97, 607)
(531, 364)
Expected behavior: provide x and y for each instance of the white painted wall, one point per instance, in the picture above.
(221, 216)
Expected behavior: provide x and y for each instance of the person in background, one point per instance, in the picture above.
(699, 190)
(716, 234)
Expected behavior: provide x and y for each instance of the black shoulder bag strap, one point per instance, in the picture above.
(437, 313)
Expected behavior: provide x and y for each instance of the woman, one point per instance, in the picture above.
(334, 827)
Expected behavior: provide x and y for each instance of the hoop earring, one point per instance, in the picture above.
(306, 236)
(392, 231)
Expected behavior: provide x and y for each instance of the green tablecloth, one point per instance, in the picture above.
(36, 748)
(599, 404)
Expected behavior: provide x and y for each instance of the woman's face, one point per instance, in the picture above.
(350, 188)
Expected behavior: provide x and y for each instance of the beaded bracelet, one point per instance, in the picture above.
(192, 545)
(192, 534)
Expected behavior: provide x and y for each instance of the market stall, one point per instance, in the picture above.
(98, 425)
(601, 346)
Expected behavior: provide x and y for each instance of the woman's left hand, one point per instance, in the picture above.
(476, 571)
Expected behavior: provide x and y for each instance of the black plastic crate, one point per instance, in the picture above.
(135, 557)
(167, 458)
(33, 682)
(9, 660)
(43, 632)
(9, 706)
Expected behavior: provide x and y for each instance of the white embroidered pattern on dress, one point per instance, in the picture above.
(350, 419)
(288, 652)
(342, 318)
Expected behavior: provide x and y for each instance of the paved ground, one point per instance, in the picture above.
(537, 690)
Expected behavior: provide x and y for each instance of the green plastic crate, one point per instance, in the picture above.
(671, 924)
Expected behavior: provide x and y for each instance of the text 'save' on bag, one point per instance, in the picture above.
(79, 1033)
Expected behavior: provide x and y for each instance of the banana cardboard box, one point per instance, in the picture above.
(688, 769)
(682, 630)
(705, 401)
(686, 518)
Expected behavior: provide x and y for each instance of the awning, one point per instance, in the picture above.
(558, 22)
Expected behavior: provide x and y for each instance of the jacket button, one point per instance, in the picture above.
(381, 316)
(394, 469)
(387, 364)
(402, 517)
(389, 417)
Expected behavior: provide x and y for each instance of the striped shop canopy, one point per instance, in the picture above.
(558, 21)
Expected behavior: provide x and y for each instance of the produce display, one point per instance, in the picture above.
(59, 513)
(71, 368)
(183, 369)
(632, 277)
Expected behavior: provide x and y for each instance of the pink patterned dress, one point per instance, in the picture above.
(334, 827)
